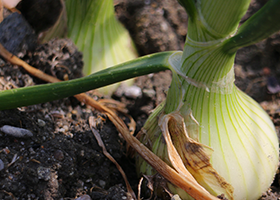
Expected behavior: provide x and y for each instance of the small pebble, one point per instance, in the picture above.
(84, 197)
(149, 92)
(175, 197)
(15, 131)
(2, 166)
(66, 128)
(61, 130)
(41, 123)
(133, 92)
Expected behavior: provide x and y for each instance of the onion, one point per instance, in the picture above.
(103, 40)
(207, 126)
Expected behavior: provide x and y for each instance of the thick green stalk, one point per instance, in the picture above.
(264, 23)
(203, 58)
(215, 19)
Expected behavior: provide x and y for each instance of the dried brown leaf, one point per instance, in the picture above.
(190, 156)
(131, 194)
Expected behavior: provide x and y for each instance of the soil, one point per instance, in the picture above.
(62, 159)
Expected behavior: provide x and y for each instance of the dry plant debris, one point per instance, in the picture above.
(186, 183)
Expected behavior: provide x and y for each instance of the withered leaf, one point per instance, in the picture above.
(194, 156)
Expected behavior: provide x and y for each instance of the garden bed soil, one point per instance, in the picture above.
(62, 159)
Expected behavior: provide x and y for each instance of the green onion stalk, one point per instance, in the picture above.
(207, 125)
(96, 32)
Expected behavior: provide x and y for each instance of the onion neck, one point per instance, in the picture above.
(206, 64)
(202, 66)
(204, 61)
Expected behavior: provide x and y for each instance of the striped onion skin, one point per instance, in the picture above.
(241, 134)
(239, 131)
(103, 40)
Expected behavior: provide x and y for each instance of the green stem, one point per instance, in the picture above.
(215, 20)
(48, 92)
(261, 25)
(204, 60)
(189, 6)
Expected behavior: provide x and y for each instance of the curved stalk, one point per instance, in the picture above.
(48, 92)
(258, 27)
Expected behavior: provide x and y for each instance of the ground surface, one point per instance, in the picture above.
(62, 159)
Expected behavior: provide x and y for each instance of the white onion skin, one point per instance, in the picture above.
(241, 134)
(243, 138)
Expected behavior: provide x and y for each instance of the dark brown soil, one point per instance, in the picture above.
(62, 159)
